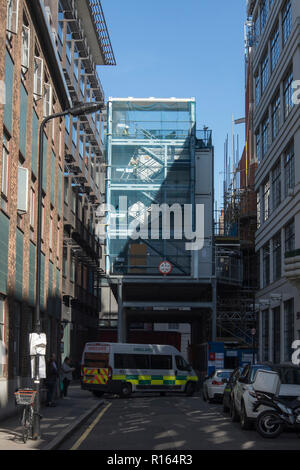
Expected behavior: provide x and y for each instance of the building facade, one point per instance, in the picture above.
(156, 162)
(29, 70)
(48, 65)
(275, 56)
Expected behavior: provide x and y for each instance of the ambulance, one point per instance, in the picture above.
(123, 369)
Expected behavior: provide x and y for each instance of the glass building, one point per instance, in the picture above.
(150, 163)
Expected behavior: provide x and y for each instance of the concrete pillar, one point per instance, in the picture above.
(121, 315)
(271, 262)
(214, 310)
(260, 336)
(281, 331)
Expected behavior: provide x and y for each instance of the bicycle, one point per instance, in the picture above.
(26, 398)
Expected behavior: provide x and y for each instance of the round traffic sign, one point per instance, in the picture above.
(165, 267)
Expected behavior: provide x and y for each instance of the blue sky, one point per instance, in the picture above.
(191, 48)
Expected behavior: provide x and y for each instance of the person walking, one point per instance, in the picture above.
(66, 375)
(51, 380)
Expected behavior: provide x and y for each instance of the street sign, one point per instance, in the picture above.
(165, 268)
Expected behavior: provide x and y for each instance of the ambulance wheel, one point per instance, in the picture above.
(98, 394)
(125, 390)
(190, 389)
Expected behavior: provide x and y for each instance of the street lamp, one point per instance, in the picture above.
(78, 110)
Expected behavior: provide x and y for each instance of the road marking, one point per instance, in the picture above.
(90, 428)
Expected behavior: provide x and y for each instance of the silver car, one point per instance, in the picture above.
(214, 385)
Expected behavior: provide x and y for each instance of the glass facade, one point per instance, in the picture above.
(150, 157)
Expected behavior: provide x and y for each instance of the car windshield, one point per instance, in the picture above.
(289, 375)
(224, 374)
(254, 369)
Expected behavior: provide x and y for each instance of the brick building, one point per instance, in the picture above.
(44, 58)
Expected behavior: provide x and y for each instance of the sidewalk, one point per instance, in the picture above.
(57, 423)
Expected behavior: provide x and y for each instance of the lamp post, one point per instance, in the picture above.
(80, 109)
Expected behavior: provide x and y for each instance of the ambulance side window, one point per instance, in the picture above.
(131, 361)
(181, 364)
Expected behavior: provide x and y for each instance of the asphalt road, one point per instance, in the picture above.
(173, 422)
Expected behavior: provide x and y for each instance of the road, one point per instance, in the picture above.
(173, 422)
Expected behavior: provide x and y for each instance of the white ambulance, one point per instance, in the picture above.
(126, 368)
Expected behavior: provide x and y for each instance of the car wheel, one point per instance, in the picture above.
(125, 390)
(190, 389)
(245, 422)
(233, 413)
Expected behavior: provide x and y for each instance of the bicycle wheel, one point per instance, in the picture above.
(26, 424)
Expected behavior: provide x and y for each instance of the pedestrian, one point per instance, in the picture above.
(66, 375)
(51, 380)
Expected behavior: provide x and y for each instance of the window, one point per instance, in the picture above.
(47, 99)
(289, 236)
(131, 361)
(161, 362)
(181, 364)
(72, 270)
(266, 265)
(288, 329)
(3, 350)
(288, 94)
(276, 185)
(58, 240)
(257, 135)
(275, 51)
(173, 326)
(289, 169)
(51, 231)
(276, 334)
(12, 16)
(277, 257)
(267, 208)
(264, 11)
(265, 136)
(38, 76)
(43, 218)
(258, 210)
(69, 44)
(5, 165)
(257, 88)
(275, 116)
(256, 30)
(25, 48)
(74, 132)
(264, 72)
(286, 21)
(265, 335)
(32, 206)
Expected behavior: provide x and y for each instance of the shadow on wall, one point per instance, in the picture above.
(16, 323)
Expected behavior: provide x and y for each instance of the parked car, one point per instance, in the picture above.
(243, 397)
(214, 385)
(228, 388)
